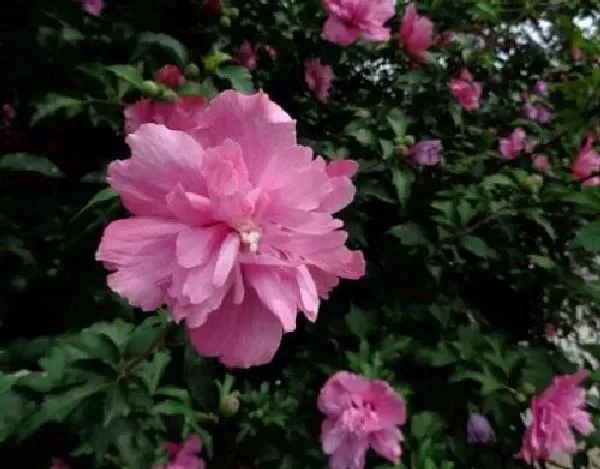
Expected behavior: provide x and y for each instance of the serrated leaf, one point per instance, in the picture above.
(410, 234)
(239, 77)
(358, 322)
(477, 246)
(53, 103)
(588, 237)
(172, 46)
(30, 163)
(129, 73)
(145, 335)
(57, 407)
(402, 181)
(399, 122)
(103, 196)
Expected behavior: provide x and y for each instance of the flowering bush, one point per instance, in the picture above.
(418, 180)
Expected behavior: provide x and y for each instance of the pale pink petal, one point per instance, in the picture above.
(196, 246)
(226, 259)
(142, 251)
(160, 160)
(337, 32)
(240, 336)
(386, 442)
(342, 168)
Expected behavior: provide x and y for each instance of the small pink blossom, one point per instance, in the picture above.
(544, 115)
(556, 413)
(246, 56)
(530, 145)
(576, 54)
(318, 78)
(185, 455)
(214, 6)
(93, 7)
(541, 88)
(587, 163)
(530, 111)
(170, 75)
(360, 413)
(416, 34)
(181, 114)
(511, 147)
(541, 163)
(466, 90)
(550, 330)
(59, 464)
(270, 51)
(350, 20)
(231, 227)
(427, 152)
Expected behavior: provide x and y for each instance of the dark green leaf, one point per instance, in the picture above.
(53, 103)
(410, 234)
(29, 163)
(477, 246)
(239, 77)
(588, 237)
(172, 46)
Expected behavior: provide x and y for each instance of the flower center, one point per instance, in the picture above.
(250, 237)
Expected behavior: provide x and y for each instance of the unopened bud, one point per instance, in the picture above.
(169, 95)
(229, 406)
(534, 182)
(192, 71)
(225, 21)
(150, 88)
(231, 12)
(528, 388)
(521, 397)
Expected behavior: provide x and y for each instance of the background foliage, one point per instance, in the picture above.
(468, 261)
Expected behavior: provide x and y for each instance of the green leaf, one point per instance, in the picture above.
(95, 345)
(57, 407)
(359, 322)
(239, 77)
(208, 88)
(53, 103)
(130, 74)
(104, 195)
(477, 246)
(399, 122)
(424, 424)
(30, 163)
(402, 181)
(145, 335)
(169, 44)
(410, 234)
(387, 148)
(588, 237)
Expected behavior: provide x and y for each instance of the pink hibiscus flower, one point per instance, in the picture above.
(510, 148)
(182, 114)
(416, 34)
(185, 455)
(318, 77)
(360, 413)
(555, 414)
(93, 7)
(587, 163)
(232, 227)
(350, 20)
(466, 90)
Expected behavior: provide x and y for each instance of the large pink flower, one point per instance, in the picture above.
(466, 90)
(318, 78)
(587, 163)
(185, 455)
(510, 148)
(92, 7)
(232, 227)
(416, 33)
(555, 414)
(360, 413)
(182, 114)
(350, 20)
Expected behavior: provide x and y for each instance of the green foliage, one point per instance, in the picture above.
(468, 260)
